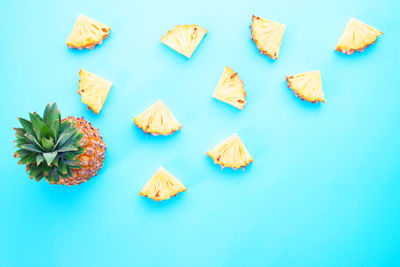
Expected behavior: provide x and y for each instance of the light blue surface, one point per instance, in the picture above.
(323, 190)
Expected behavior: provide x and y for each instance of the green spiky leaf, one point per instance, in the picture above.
(47, 145)
(39, 159)
(49, 157)
(31, 147)
(27, 125)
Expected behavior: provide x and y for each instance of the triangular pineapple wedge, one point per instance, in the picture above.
(162, 186)
(231, 153)
(87, 33)
(93, 90)
(230, 89)
(356, 37)
(267, 35)
(184, 39)
(307, 86)
(157, 119)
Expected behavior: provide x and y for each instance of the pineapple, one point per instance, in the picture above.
(162, 186)
(65, 151)
(356, 37)
(231, 153)
(230, 89)
(93, 90)
(307, 86)
(267, 35)
(87, 33)
(157, 119)
(184, 39)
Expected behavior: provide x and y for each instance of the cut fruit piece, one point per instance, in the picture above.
(267, 35)
(162, 186)
(356, 37)
(87, 33)
(157, 119)
(230, 89)
(184, 39)
(93, 90)
(307, 86)
(231, 153)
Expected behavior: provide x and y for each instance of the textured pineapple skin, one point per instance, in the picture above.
(90, 46)
(93, 157)
(350, 51)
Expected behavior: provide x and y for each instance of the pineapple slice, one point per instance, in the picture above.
(184, 39)
(267, 35)
(87, 33)
(93, 90)
(230, 89)
(307, 86)
(231, 153)
(162, 186)
(157, 119)
(356, 37)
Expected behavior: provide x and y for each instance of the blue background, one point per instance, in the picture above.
(323, 190)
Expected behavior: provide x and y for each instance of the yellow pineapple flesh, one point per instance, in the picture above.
(231, 153)
(93, 90)
(230, 89)
(157, 119)
(163, 185)
(356, 37)
(307, 86)
(87, 33)
(267, 35)
(184, 39)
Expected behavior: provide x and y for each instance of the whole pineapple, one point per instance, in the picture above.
(65, 151)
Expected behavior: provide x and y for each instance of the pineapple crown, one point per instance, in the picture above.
(48, 146)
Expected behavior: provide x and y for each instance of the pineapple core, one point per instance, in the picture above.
(87, 33)
(356, 37)
(307, 86)
(93, 90)
(267, 35)
(231, 153)
(184, 39)
(157, 119)
(162, 186)
(230, 89)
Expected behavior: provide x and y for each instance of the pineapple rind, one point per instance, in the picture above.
(230, 89)
(87, 33)
(157, 120)
(93, 90)
(231, 153)
(356, 37)
(163, 185)
(268, 43)
(307, 86)
(184, 39)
